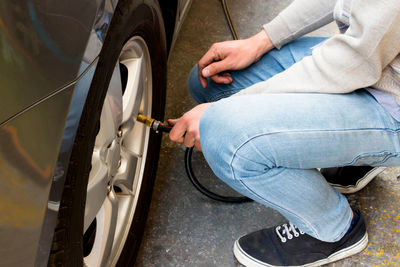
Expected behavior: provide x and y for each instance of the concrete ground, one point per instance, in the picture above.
(185, 228)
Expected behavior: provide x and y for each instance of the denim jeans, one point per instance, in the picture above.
(268, 146)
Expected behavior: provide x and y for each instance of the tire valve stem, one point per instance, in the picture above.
(154, 124)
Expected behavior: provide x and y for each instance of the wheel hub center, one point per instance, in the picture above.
(113, 157)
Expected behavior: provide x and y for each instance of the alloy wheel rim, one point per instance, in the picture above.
(119, 156)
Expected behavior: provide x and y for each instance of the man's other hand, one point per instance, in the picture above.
(232, 55)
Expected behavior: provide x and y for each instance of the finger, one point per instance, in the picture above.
(190, 137)
(215, 68)
(173, 121)
(202, 80)
(176, 138)
(189, 140)
(210, 56)
(222, 79)
(225, 74)
(178, 131)
(197, 144)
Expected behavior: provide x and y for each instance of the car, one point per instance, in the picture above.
(76, 168)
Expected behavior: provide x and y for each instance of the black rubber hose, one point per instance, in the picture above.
(188, 154)
(229, 20)
(160, 127)
(202, 189)
(189, 151)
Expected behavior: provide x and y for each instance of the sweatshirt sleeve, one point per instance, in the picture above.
(345, 62)
(299, 18)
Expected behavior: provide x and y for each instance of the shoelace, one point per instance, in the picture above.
(286, 231)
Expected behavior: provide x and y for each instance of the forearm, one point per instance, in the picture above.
(299, 18)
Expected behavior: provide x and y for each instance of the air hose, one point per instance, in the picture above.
(201, 188)
(189, 151)
(229, 20)
(158, 126)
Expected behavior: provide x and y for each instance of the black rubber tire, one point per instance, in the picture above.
(131, 18)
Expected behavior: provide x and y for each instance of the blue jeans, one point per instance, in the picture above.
(268, 146)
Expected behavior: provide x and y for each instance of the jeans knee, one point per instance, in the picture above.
(194, 86)
(231, 151)
(216, 147)
(227, 147)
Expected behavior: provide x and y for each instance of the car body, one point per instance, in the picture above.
(49, 55)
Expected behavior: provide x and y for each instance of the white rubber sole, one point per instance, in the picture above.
(249, 261)
(360, 183)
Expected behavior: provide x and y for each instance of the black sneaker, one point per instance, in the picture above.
(350, 179)
(286, 245)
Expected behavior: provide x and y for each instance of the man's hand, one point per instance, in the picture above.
(232, 55)
(186, 128)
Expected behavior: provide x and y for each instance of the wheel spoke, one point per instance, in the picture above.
(125, 214)
(134, 140)
(96, 190)
(111, 114)
(127, 171)
(132, 97)
(105, 232)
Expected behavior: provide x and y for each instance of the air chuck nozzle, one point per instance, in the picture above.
(147, 121)
(154, 124)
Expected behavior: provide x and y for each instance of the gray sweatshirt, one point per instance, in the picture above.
(365, 54)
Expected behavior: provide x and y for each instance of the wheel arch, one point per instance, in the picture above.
(169, 13)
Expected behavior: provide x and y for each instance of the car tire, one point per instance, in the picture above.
(139, 22)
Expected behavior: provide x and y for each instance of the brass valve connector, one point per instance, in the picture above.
(153, 124)
(147, 121)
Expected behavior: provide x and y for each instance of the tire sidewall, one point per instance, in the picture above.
(157, 46)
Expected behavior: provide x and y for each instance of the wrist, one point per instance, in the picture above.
(262, 42)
